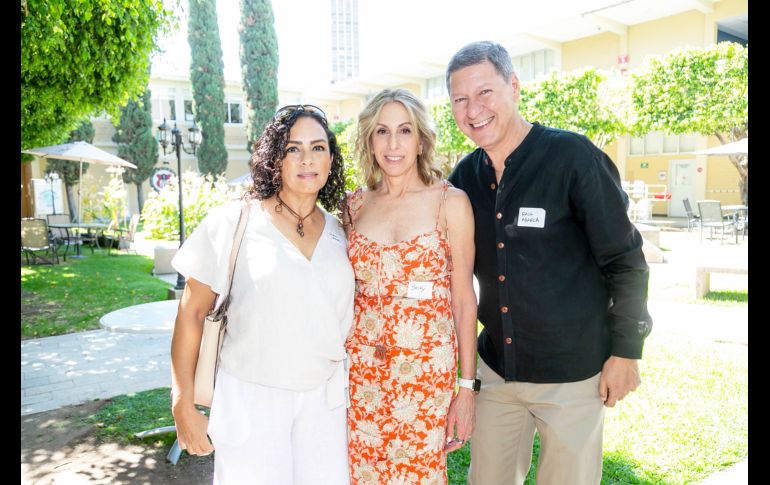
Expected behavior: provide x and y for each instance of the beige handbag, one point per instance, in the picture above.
(215, 324)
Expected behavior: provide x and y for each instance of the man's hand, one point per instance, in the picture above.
(461, 414)
(619, 377)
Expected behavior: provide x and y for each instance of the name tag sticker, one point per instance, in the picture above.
(531, 217)
(420, 289)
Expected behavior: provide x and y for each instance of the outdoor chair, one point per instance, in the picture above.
(36, 241)
(62, 235)
(693, 220)
(125, 237)
(712, 217)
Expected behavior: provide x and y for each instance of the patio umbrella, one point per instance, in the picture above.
(243, 179)
(740, 147)
(79, 151)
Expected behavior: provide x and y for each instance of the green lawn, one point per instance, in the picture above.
(73, 295)
(687, 420)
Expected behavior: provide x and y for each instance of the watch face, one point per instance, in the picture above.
(476, 385)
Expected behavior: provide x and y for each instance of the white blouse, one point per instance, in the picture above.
(288, 317)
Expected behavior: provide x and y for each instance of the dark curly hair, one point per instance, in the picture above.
(268, 155)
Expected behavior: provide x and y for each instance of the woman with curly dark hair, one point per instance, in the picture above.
(279, 406)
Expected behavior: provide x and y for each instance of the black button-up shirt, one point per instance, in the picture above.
(563, 281)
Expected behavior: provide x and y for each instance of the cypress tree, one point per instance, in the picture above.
(136, 143)
(259, 65)
(69, 171)
(208, 83)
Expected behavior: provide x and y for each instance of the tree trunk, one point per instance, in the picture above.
(140, 196)
(71, 201)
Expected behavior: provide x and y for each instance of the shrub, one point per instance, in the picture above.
(200, 195)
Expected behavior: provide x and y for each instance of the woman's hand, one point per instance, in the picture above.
(460, 419)
(191, 429)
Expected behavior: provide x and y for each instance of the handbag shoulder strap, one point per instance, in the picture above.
(223, 300)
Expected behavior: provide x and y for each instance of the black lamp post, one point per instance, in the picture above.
(194, 138)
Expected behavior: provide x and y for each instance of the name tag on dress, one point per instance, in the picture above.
(420, 289)
(531, 217)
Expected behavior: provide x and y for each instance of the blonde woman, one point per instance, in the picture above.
(410, 241)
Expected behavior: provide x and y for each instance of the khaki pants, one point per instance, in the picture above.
(569, 418)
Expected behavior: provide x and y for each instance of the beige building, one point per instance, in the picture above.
(616, 34)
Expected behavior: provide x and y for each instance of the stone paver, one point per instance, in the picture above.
(74, 368)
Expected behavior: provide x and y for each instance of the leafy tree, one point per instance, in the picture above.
(575, 101)
(79, 57)
(451, 143)
(697, 90)
(136, 143)
(259, 65)
(69, 171)
(345, 132)
(208, 84)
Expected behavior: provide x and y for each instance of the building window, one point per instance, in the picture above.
(657, 143)
(189, 115)
(164, 105)
(233, 112)
(529, 66)
(435, 87)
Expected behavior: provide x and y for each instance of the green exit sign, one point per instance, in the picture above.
(644, 165)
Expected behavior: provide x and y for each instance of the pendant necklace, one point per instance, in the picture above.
(300, 219)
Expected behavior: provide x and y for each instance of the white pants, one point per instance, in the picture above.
(265, 435)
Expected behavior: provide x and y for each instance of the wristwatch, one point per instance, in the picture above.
(472, 384)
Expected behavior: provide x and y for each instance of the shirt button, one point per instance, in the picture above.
(508, 340)
(499, 215)
(504, 309)
(492, 186)
(501, 277)
(500, 245)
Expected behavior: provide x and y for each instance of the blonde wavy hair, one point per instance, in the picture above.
(421, 121)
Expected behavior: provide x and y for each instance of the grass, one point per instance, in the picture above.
(132, 413)
(727, 296)
(688, 420)
(726, 289)
(71, 296)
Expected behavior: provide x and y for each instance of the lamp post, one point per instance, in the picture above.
(194, 138)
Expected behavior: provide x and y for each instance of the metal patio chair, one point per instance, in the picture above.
(37, 242)
(712, 217)
(693, 220)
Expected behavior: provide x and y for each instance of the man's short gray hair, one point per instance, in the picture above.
(478, 52)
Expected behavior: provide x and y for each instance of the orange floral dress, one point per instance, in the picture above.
(403, 358)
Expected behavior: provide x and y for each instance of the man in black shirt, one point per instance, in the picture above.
(563, 281)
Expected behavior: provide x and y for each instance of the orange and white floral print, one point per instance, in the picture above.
(399, 402)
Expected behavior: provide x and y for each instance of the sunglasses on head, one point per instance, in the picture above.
(290, 110)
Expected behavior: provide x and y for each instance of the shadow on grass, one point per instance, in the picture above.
(732, 296)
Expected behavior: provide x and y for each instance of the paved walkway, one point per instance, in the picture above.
(132, 353)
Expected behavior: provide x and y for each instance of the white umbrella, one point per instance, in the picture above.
(740, 147)
(243, 179)
(79, 151)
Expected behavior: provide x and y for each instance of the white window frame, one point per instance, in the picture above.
(228, 103)
(685, 143)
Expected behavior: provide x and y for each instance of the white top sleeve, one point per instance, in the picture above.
(205, 255)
